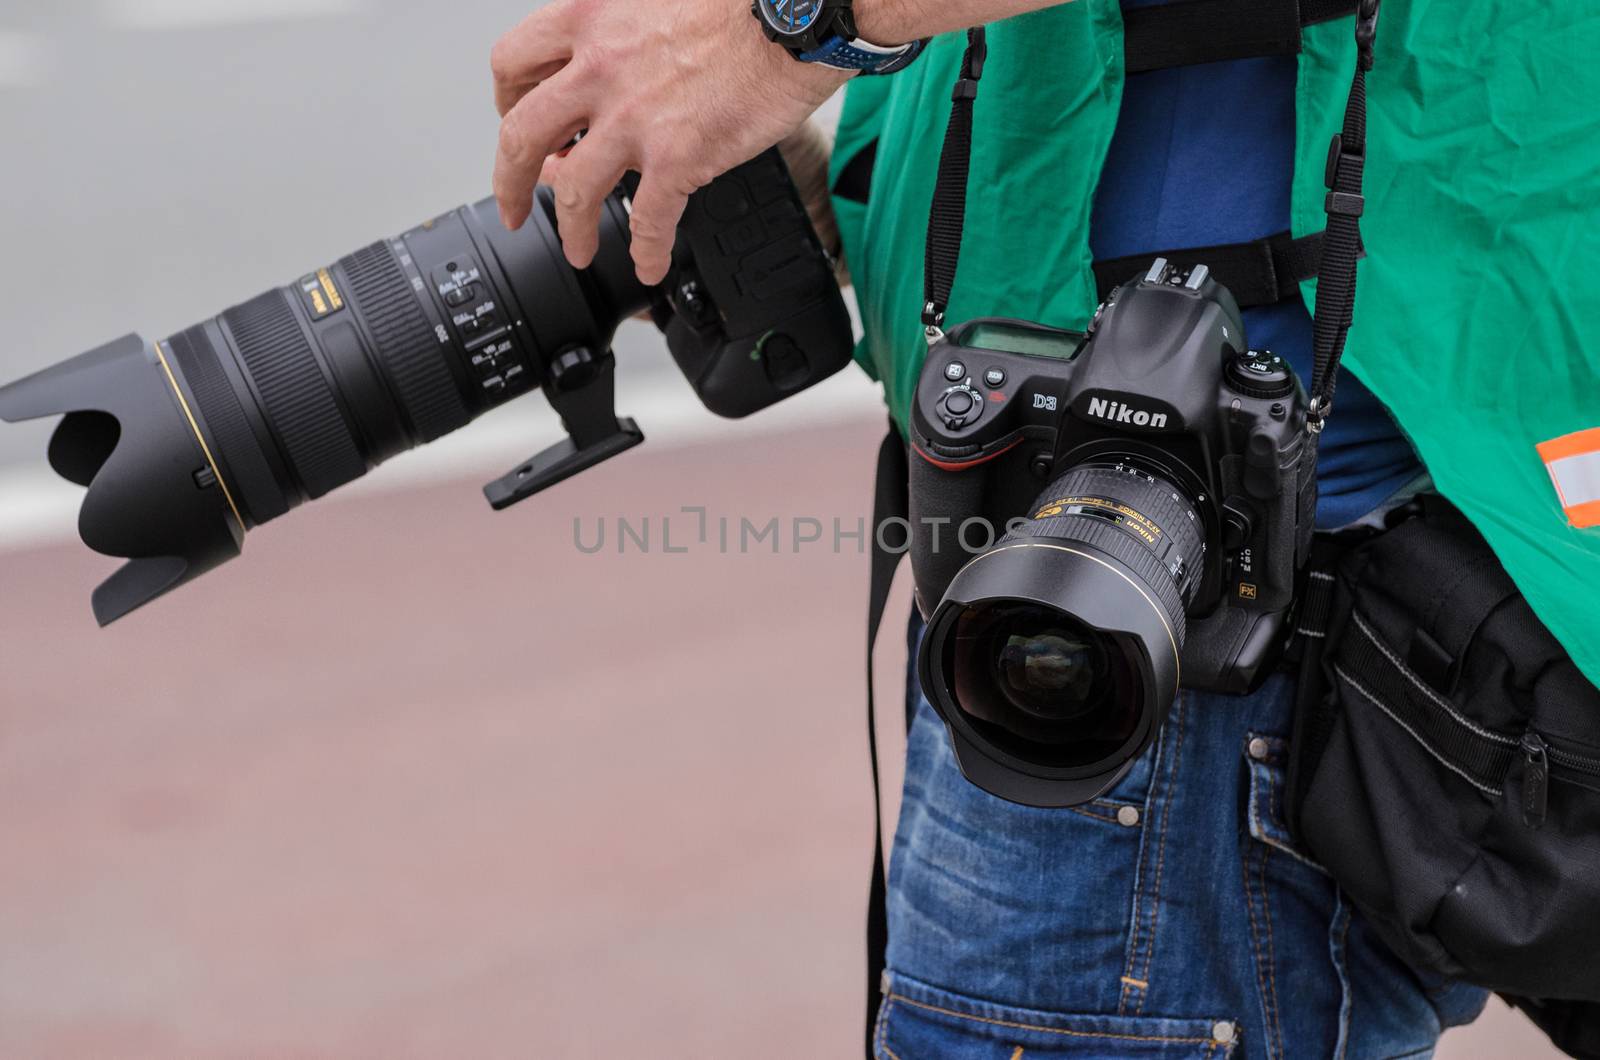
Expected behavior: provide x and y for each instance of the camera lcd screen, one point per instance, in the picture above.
(1030, 341)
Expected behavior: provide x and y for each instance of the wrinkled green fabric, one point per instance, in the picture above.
(1477, 305)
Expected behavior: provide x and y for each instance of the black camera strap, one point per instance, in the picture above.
(891, 506)
(1340, 246)
(1341, 241)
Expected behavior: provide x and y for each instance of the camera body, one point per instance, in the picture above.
(1162, 384)
(1155, 456)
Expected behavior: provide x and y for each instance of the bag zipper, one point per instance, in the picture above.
(1576, 763)
(1535, 779)
(1537, 756)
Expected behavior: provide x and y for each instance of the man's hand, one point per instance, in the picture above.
(679, 92)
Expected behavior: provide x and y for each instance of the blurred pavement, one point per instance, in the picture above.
(413, 779)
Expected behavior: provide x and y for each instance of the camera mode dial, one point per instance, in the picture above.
(1260, 373)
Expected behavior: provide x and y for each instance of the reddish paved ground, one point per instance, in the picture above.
(416, 780)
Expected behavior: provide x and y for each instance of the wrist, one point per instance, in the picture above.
(827, 33)
(885, 22)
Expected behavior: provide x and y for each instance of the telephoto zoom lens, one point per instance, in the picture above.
(189, 442)
(1054, 655)
(309, 386)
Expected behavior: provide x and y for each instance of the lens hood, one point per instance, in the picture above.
(1096, 591)
(131, 435)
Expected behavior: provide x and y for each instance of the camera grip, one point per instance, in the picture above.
(755, 311)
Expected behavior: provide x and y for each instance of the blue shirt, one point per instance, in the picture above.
(1204, 155)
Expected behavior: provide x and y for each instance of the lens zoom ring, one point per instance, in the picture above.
(1158, 501)
(1121, 545)
(295, 394)
(235, 444)
(407, 345)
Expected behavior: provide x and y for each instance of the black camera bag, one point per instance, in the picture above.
(1447, 768)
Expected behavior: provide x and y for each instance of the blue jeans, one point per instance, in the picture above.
(1175, 917)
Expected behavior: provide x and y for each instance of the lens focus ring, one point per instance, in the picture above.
(406, 344)
(295, 395)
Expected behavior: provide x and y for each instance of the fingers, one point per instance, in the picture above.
(508, 94)
(657, 209)
(583, 181)
(539, 46)
(539, 125)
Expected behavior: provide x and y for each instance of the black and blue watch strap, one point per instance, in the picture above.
(843, 54)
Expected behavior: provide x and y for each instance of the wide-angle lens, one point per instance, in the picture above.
(1055, 654)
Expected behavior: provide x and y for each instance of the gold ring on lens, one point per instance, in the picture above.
(194, 425)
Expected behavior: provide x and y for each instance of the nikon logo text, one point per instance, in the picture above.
(1117, 412)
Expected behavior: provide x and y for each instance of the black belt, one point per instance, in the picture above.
(1213, 31)
(1263, 272)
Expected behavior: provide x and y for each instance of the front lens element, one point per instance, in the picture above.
(1042, 685)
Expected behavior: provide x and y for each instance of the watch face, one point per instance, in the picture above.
(790, 16)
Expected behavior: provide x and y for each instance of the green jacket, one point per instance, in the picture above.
(1478, 303)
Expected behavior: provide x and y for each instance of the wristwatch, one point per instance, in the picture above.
(824, 31)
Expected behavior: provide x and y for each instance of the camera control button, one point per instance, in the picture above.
(994, 378)
(741, 237)
(461, 295)
(726, 201)
(785, 362)
(958, 403)
(1237, 526)
(1260, 373)
(959, 407)
(955, 371)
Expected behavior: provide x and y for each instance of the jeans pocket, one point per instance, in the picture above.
(1298, 927)
(922, 1022)
(1267, 758)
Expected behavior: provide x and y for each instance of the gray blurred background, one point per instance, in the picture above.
(410, 779)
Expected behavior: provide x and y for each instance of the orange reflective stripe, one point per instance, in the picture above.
(1570, 445)
(1584, 516)
(1573, 461)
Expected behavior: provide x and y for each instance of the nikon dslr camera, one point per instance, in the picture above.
(1157, 485)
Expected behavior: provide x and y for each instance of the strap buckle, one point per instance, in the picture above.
(933, 323)
(1340, 201)
(1317, 413)
(1345, 204)
(1337, 154)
